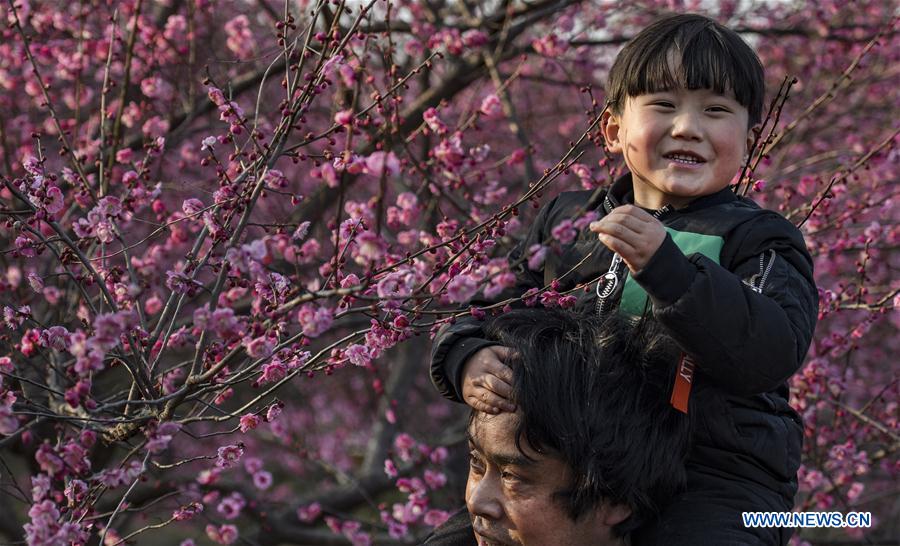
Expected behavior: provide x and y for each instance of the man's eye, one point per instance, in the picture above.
(510, 478)
(475, 463)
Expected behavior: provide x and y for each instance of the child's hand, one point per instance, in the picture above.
(487, 381)
(631, 232)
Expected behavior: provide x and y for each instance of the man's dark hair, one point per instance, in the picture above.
(712, 56)
(596, 395)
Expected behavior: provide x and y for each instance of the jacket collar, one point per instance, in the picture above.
(622, 193)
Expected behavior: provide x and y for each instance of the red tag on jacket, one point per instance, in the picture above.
(684, 378)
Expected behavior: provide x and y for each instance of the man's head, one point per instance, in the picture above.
(682, 97)
(593, 450)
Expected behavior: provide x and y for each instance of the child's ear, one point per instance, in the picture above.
(610, 124)
(751, 133)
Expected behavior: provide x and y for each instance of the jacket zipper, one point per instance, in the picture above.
(611, 284)
(763, 275)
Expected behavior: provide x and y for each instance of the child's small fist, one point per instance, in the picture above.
(487, 381)
(631, 232)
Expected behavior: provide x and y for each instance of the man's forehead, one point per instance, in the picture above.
(495, 437)
(495, 426)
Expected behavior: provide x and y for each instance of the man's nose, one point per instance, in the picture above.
(687, 125)
(484, 499)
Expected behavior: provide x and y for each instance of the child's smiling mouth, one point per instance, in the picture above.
(684, 158)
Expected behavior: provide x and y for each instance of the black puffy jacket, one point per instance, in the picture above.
(732, 283)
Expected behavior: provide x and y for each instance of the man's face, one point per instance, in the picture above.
(511, 497)
(679, 144)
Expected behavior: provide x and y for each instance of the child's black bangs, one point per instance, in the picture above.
(692, 52)
(702, 66)
(707, 63)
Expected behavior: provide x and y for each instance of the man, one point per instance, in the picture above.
(592, 450)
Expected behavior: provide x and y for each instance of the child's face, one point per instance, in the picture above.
(679, 144)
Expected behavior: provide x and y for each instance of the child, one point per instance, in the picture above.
(732, 283)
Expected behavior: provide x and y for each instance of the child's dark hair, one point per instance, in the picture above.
(596, 394)
(712, 57)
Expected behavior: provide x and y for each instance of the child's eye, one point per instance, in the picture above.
(718, 109)
(663, 103)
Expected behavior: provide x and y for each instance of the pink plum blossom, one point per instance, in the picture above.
(249, 422)
(240, 40)
(461, 288)
(223, 534)
(229, 455)
(491, 107)
(230, 507)
(309, 513)
(262, 480)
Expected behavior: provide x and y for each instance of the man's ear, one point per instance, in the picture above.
(609, 124)
(613, 514)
